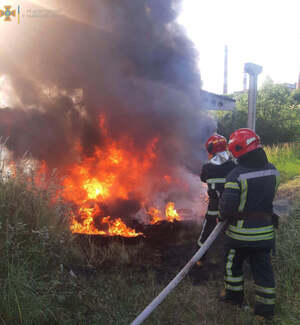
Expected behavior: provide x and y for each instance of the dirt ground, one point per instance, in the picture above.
(286, 195)
(165, 249)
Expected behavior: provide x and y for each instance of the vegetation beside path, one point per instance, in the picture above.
(286, 158)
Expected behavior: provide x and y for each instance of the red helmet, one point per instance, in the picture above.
(216, 143)
(242, 141)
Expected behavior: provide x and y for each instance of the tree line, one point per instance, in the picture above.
(277, 114)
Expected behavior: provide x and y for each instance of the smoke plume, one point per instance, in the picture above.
(126, 60)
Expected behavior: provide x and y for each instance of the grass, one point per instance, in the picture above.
(287, 268)
(286, 158)
(49, 276)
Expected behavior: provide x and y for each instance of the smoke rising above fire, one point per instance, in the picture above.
(109, 75)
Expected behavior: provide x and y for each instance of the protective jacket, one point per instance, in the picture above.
(214, 176)
(247, 204)
(247, 201)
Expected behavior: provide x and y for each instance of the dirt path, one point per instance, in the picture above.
(286, 195)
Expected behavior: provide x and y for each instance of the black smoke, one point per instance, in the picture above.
(128, 60)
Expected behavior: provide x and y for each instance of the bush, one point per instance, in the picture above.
(277, 115)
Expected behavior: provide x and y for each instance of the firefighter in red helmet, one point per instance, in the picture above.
(213, 174)
(247, 205)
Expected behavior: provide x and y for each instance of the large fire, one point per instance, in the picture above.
(112, 173)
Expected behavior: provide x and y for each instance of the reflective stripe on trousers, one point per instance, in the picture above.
(261, 267)
(265, 295)
(233, 281)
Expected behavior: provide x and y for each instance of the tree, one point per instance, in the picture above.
(296, 95)
(277, 114)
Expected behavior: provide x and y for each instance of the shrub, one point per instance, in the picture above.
(277, 115)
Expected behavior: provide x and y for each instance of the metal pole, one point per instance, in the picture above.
(252, 94)
(245, 82)
(253, 70)
(225, 86)
(172, 285)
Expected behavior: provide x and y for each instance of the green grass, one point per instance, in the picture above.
(286, 158)
(287, 268)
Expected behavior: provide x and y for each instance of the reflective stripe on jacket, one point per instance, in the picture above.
(215, 176)
(249, 194)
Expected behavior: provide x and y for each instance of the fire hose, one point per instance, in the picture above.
(172, 285)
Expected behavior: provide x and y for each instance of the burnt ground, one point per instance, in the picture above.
(165, 249)
(179, 248)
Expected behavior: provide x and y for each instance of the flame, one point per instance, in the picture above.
(95, 189)
(155, 214)
(114, 227)
(170, 214)
(113, 172)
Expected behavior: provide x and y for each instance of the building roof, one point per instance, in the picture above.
(216, 102)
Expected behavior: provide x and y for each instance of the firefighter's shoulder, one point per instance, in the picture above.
(228, 166)
(234, 173)
(205, 172)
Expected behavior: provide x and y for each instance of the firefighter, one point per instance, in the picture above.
(247, 204)
(213, 174)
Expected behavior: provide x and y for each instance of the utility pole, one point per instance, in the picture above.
(253, 70)
(225, 85)
(298, 83)
(245, 82)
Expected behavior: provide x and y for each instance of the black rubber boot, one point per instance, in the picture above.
(235, 301)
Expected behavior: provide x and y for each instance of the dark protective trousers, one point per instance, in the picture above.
(261, 267)
(209, 224)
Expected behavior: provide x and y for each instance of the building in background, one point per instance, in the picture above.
(289, 85)
(214, 102)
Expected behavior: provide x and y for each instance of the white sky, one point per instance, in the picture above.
(264, 32)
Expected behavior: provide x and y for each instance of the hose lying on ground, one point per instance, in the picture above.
(201, 251)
